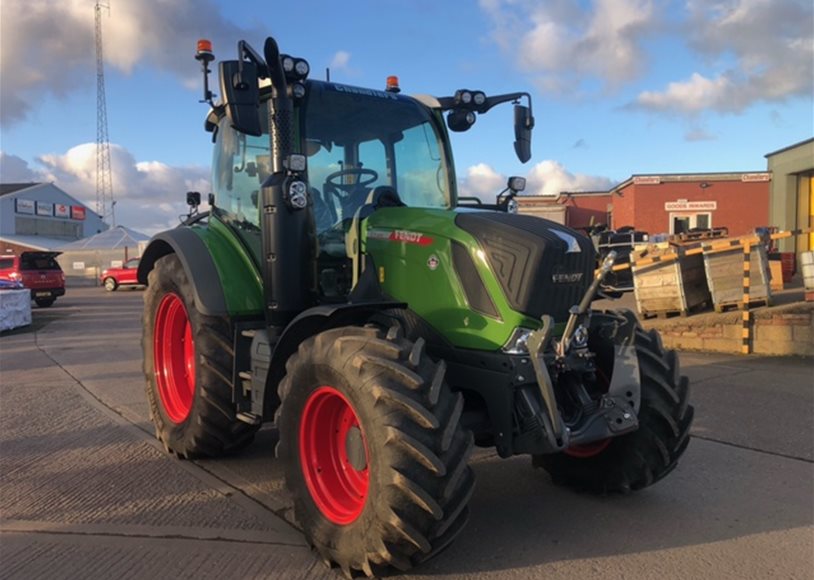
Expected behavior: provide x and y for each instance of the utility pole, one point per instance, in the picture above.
(104, 178)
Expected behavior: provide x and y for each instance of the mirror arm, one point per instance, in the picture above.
(499, 99)
(448, 103)
(245, 51)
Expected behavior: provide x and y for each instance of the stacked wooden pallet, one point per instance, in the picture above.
(668, 281)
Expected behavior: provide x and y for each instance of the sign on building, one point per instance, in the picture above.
(77, 212)
(24, 206)
(45, 208)
(647, 180)
(61, 210)
(749, 177)
(684, 205)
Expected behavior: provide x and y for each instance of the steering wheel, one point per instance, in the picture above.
(348, 188)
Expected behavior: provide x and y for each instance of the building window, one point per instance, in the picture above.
(681, 223)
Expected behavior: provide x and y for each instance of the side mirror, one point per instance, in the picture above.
(523, 124)
(241, 95)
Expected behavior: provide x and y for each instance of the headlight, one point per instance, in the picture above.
(511, 207)
(518, 341)
(297, 195)
(301, 68)
(298, 90)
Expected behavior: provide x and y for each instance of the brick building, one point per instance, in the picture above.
(667, 203)
(676, 203)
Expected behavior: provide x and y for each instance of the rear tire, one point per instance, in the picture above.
(639, 459)
(373, 449)
(110, 284)
(44, 302)
(188, 361)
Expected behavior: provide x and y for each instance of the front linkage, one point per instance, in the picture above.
(569, 363)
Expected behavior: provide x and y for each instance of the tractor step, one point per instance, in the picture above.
(249, 418)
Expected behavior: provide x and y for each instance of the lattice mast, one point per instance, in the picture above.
(104, 177)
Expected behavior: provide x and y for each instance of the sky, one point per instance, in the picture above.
(619, 87)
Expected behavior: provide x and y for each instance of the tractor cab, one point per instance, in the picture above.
(362, 147)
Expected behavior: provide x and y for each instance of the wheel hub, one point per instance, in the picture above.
(355, 449)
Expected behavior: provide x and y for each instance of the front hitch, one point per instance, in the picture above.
(618, 408)
(556, 432)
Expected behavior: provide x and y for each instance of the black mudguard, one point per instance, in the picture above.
(198, 264)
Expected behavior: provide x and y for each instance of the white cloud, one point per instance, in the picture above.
(545, 178)
(483, 182)
(691, 96)
(340, 60)
(552, 178)
(48, 48)
(746, 51)
(149, 195)
(762, 50)
(559, 42)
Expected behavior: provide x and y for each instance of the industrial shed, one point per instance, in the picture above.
(83, 260)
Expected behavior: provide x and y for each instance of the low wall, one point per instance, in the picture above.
(786, 330)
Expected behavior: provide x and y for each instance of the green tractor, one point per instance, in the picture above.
(339, 288)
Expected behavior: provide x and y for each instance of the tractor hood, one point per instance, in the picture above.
(542, 267)
(476, 277)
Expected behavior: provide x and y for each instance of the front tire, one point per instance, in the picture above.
(188, 360)
(110, 284)
(639, 459)
(373, 449)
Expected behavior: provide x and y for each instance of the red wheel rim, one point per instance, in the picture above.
(588, 450)
(174, 356)
(338, 482)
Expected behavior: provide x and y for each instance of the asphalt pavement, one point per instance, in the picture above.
(87, 492)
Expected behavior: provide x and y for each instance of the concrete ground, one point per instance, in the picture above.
(86, 492)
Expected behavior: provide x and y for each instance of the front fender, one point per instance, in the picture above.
(306, 324)
(198, 265)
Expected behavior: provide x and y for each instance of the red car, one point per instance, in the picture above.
(37, 271)
(112, 278)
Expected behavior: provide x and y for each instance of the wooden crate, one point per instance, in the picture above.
(724, 271)
(676, 285)
(776, 274)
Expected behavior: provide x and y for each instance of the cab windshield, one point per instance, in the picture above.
(360, 139)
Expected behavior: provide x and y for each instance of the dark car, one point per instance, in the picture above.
(112, 278)
(37, 271)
